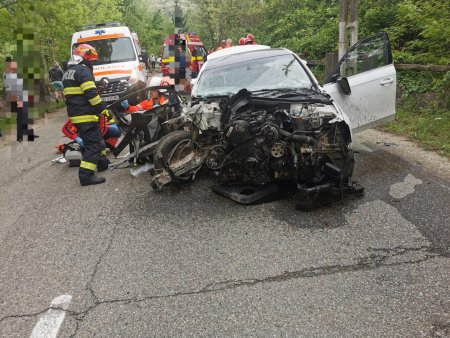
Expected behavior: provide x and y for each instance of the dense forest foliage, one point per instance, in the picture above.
(419, 29)
(55, 21)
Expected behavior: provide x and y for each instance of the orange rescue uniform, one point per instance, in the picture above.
(146, 105)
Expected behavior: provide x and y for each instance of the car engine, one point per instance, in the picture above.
(261, 146)
(252, 141)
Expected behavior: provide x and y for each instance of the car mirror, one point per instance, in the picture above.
(344, 85)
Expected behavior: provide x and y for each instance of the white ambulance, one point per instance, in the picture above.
(121, 67)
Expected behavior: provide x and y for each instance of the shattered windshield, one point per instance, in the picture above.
(112, 50)
(281, 71)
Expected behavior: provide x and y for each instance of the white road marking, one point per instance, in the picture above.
(48, 325)
(405, 188)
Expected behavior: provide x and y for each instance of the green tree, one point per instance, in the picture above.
(55, 21)
(216, 20)
(422, 32)
(151, 26)
(306, 26)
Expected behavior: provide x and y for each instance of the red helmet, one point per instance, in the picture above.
(86, 51)
(242, 41)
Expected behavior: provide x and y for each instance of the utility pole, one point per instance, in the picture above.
(344, 23)
(343, 15)
(177, 17)
(353, 21)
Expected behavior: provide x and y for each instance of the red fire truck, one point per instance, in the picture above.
(194, 50)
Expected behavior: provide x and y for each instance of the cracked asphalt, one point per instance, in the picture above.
(191, 263)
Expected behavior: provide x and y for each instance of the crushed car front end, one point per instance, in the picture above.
(259, 119)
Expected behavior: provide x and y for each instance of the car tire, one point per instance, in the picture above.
(165, 148)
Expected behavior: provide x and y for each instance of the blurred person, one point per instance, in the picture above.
(153, 61)
(55, 74)
(250, 40)
(222, 45)
(64, 66)
(180, 57)
(15, 96)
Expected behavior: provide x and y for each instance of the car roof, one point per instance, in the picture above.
(235, 50)
(244, 55)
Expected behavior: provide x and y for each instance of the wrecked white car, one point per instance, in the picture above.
(259, 120)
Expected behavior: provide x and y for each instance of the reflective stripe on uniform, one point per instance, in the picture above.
(87, 85)
(103, 153)
(84, 119)
(88, 165)
(95, 101)
(198, 58)
(169, 59)
(73, 91)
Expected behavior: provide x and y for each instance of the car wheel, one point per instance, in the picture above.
(172, 147)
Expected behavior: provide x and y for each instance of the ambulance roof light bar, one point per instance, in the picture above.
(100, 25)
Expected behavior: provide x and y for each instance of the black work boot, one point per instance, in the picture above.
(93, 180)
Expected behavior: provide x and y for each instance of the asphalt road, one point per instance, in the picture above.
(118, 260)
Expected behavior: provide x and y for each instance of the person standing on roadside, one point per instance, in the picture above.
(84, 107)
(14, 93)
(153, 61)
(55, 75)
(180, 57)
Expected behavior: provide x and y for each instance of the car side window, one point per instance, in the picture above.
(364, 56)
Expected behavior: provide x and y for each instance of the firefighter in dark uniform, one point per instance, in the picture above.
(84, 107)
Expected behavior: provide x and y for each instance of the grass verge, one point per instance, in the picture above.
(429, 128)
(50, 107)
(7, 122)
(10, 122)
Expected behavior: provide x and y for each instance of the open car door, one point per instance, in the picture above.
(368, 70)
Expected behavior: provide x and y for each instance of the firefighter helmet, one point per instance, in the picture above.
(86, 51)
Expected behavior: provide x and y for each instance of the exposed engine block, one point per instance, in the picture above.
(260, 146)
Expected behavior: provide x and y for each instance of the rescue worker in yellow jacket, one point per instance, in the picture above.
(84, 107)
